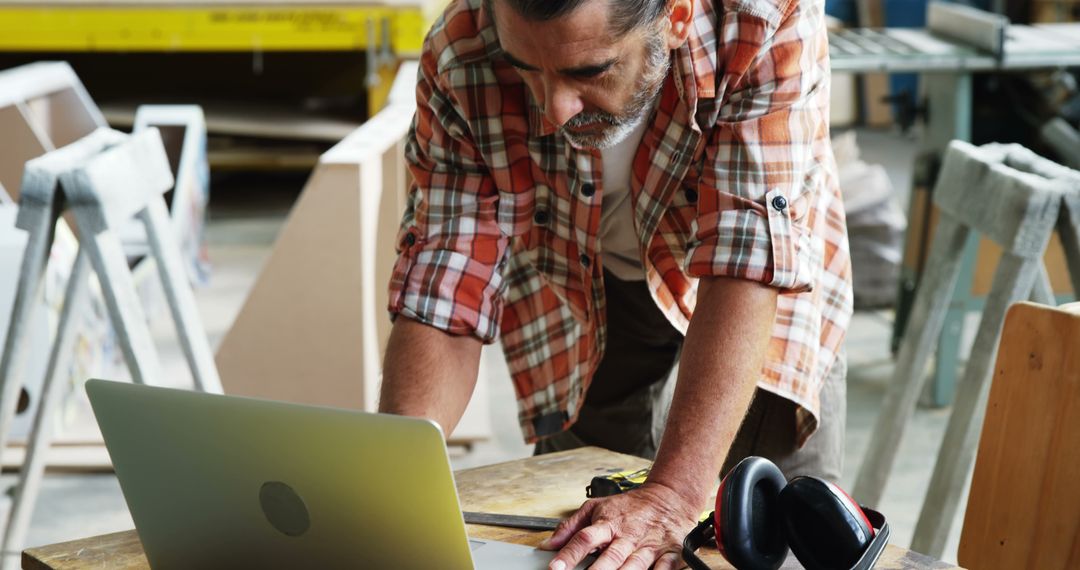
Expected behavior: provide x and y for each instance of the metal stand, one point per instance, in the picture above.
(107, 178)
(1016, 199)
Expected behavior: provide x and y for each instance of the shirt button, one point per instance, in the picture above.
(691, 195)
(585, 260)
(410, 239)
(779, 203)
(588, 190)
(541, 217)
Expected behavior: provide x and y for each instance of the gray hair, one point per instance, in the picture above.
(625, 15)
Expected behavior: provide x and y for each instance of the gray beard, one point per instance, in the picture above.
(618, 127)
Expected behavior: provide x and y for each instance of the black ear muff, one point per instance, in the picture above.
(824, 527)
(749, 532)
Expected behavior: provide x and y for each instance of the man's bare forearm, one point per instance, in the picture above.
(428, 373)
(721, 362)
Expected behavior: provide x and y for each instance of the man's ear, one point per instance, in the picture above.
(680, 17)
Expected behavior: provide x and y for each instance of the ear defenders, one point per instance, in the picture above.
(759, 515)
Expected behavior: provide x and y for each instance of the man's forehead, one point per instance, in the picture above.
(580, 37)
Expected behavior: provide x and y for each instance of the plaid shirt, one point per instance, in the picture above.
(734, 177)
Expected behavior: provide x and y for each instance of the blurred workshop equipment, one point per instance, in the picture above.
(106, 179)
(1017, 199)
(958, 43)
(280, 80)
(44, 106)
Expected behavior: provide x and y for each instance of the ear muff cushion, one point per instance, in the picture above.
(749, 531)
(824, 527)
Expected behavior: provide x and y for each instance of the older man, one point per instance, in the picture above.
(611, 186)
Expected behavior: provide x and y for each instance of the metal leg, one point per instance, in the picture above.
(40, 222)
(118, 288)
(1042, 291)
(181, 301)
(63, 349)
(927, 318)
(943, 387)
(1013, 281)
(1069, 231)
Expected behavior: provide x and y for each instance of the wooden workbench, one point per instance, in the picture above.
(549, 486)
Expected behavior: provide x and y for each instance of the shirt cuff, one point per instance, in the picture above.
(767, 247)
(447, 290)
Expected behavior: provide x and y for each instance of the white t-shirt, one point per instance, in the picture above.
(618, 238)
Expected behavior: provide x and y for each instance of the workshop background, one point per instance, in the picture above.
(283, 122)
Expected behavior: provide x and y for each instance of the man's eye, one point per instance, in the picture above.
(592, 72)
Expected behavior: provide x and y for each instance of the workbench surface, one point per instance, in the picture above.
(549, 486)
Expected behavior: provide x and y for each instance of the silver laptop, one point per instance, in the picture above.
(228, 482)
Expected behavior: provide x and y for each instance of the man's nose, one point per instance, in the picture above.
(563, 104)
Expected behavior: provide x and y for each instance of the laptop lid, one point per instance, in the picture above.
(227, 482)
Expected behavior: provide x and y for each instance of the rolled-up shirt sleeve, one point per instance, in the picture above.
(760, 177)
(450, 249)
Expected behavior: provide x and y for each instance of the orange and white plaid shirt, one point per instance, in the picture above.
(734, 177)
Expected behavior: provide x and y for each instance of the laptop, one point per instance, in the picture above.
(228, 482)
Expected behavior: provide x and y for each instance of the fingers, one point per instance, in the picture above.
(669, 561)
(619, 551)
(569, 527)
(588, 539)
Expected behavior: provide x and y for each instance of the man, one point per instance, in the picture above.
(596, 179)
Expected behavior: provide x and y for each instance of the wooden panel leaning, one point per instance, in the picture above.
(1022, 511)
(1015, 198)
(315, 325)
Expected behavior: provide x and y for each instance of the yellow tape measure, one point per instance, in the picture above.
(615, 483)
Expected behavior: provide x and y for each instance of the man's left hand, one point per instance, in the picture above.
(632, 531)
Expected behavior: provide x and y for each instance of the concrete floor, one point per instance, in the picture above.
(244, 218)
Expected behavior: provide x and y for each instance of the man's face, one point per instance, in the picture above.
(594, 87)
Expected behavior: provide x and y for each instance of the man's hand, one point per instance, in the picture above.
(633, 531)
(720, 364)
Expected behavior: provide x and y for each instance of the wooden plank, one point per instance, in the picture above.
(1022, 507)
(551, 485)
(64, 458)
(116, 551)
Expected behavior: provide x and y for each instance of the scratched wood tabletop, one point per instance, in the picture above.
(548, 486)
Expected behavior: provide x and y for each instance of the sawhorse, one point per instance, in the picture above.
(106, 178)
(1018, 200)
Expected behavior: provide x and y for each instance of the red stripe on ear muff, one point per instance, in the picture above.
(717, 527)
(851, 506)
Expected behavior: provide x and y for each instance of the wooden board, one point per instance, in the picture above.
(315, 325)
(1024, 506)
(88, 457)
(551, 485)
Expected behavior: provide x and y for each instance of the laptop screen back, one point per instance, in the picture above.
(226, 482)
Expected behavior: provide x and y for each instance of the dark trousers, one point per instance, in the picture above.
(627, 405)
